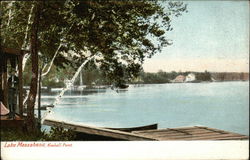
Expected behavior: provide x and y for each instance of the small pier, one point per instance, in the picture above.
(184, 133)
(98, 132)
(191, 133)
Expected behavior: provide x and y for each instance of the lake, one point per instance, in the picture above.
(221, 105)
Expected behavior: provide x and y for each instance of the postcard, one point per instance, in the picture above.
(124, 79)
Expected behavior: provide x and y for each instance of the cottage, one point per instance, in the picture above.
(179, 79)
(190, 77)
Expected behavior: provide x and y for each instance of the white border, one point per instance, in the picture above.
(145, 150)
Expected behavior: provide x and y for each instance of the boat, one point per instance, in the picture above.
(122, 86)
(44, 107)
(139, 128)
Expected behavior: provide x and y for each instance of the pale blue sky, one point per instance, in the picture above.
(213, 36)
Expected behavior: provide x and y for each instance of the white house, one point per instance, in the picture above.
(190, 77)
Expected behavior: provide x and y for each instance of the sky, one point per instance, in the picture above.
(212, 36)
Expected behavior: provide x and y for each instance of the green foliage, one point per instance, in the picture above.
(55, 134)
(52, 83)
(13, 22)
(59, 134)
(91, 74)
(119, 34)
(56, 77)
(150, 78)
(165, 77)
(18, 135)
(206, 76)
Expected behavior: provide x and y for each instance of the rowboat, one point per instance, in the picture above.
(139, 128)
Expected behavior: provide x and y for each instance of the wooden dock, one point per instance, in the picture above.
(184, 133)
(98, 131)
(191, 133)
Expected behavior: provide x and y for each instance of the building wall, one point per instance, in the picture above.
(190, 77)
(179, 79)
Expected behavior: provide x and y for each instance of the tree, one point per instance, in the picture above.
(205, 76)
(119, 35)
(34, 58)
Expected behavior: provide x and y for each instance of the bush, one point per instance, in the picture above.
(60, 134)
(9, 134)
(55, 134)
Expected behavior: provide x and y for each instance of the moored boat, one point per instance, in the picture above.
(139, 128)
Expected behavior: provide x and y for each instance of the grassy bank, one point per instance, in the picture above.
(55, 134)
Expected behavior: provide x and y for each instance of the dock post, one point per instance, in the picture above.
(20, 84)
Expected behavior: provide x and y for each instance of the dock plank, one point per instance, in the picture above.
(191, 133)
(198, 137)
(98, 131)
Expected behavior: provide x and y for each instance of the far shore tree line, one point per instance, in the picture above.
(92, 76)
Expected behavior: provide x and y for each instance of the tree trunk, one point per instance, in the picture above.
(31, 125)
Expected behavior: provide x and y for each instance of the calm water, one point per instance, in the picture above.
(217, 105)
